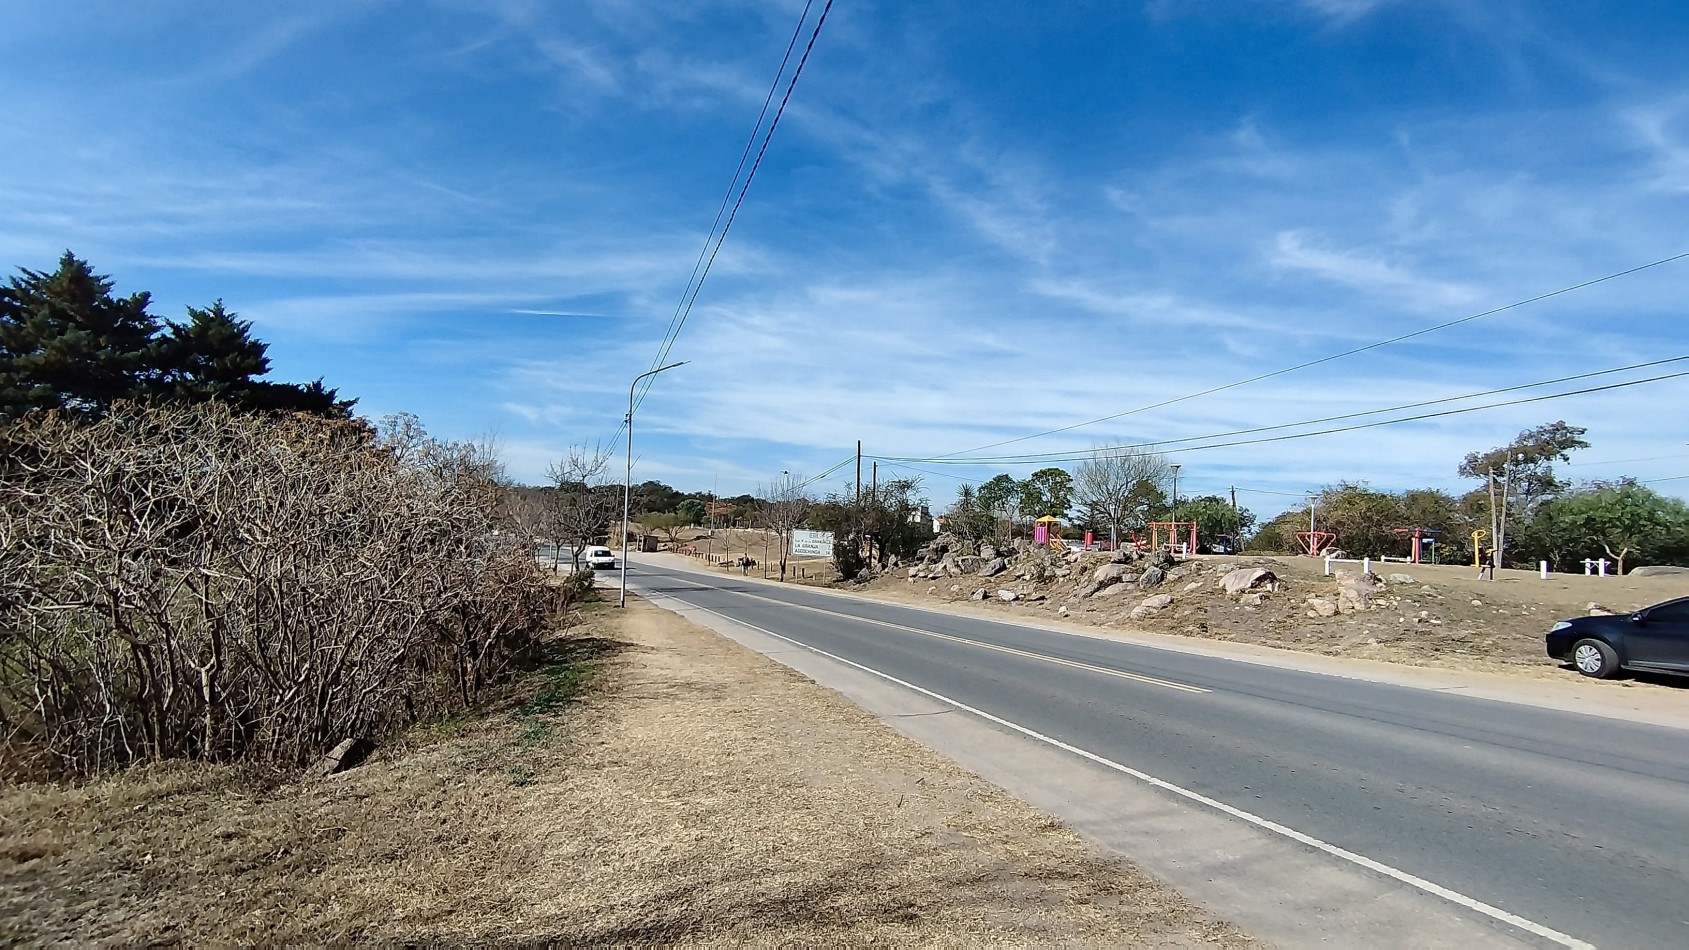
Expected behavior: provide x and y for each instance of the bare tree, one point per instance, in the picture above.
(582, 501)
(1117, 485)
(783, 508)
(195, 583)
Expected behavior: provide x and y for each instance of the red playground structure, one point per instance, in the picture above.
(1173, 531)
(1313, 542)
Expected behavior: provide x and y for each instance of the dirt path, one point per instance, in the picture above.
(699, 792)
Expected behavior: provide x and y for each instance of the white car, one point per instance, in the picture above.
(601, 559)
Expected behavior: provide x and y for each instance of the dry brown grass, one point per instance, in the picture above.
(697, 792)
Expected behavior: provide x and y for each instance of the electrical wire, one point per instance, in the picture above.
(698, 286)
(1333, 357)
(1034, 457)
(1319, 432)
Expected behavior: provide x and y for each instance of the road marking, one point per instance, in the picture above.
(1360, 860)
(1075, 664)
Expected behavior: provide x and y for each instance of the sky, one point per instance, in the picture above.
(977, 221)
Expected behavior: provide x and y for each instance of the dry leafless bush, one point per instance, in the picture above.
(190, 582)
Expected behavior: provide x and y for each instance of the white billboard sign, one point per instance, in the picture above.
(812, 543)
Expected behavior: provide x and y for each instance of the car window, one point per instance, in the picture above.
(1674, 613)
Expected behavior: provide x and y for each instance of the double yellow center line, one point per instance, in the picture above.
(1075, 664)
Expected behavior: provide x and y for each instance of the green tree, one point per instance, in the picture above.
(1048, 491)
(968, 517)
(693, 509)
(1624, 521)
(1214, 516)
(66, 342)
(1363, 520)
(669, 523)
(1000, 496)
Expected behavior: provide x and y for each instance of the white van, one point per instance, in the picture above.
(600, 559)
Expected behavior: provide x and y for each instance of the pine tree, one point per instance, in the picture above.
(212, 356)
(67, 343)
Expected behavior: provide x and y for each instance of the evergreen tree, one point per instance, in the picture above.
(67, 343)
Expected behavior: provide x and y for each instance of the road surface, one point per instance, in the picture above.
(1308, 808)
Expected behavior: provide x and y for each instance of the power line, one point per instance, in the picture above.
(1651, 458)
(1327, 359)
(1034, 457)
(1318, 432)
(698, 286)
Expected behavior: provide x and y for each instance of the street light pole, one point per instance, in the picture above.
(1174, 533)
(627, 483)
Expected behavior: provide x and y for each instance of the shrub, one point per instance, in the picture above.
(189, 582)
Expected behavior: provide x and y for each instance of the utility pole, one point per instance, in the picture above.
(874, 486)
(1237, 519)
(627, 484)
(859, 471)
(1489, 477)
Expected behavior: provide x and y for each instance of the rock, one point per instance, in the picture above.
(1110, 574)
(955, 588)
(1158, 601)
(1401, 579)
(1061, 611)
(988, 551)
(1477, 603)
(348, 754)
(933, 589)
(914, 572)
(978, 594)
(1123, 556)
(1088, 589)
(968, 564)
(1150, 578)
(1246, 578)
(1659, 570)
(1322, 608)
(1596, 610)
(994, 567)
(1114, 591)
(1428, 590)
(1252, 599)
(1193, 585)
(1178, 572)
(1007, 595)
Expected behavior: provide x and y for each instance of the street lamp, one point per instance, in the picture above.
(627, 485)
(1175, 497)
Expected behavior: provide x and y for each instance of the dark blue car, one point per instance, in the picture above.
(1654, 639)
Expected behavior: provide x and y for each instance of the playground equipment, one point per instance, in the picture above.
(1047, 531)
(1313, 542)
(1173, 532)
(1419, 535)
(1478, 537)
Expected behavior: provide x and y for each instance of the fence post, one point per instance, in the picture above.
(1544, 566)
(1366, 565)
(1328, 565)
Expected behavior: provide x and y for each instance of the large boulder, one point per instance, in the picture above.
(994, 567)
(988, 551)
(1123, 556)
(968, 564)
(1659, 570)
(1158, 601)
(1401, 579)
(1319, 607)
(1151, 577)
(1007, 595)
(1114, 590)
(1111, 573)
(1246, 578)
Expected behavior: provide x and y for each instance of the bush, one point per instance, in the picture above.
(189, 582)
(847, 557)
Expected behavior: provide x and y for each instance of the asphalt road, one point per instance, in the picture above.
(1553, 827)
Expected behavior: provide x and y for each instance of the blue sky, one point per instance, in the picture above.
(978, 220)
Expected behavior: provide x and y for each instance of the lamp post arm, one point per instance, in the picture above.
(627, 481)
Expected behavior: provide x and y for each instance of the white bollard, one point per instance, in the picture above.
(1328, 565)
(1604, 562)
(1544, 566)
(1366, 566)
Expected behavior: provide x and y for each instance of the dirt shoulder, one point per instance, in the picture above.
(658, 784)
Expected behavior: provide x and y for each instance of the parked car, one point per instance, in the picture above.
(601, 559)
(1654, 639)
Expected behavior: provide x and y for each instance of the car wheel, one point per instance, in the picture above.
(1594, 658)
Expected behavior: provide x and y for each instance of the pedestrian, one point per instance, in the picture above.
(1486, 564)
(745, 565)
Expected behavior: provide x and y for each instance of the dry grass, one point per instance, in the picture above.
(696, 792)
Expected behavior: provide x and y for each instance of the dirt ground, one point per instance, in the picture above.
(658, 784)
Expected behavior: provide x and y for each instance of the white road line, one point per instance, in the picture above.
(1106, 671)
(1361, 860)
